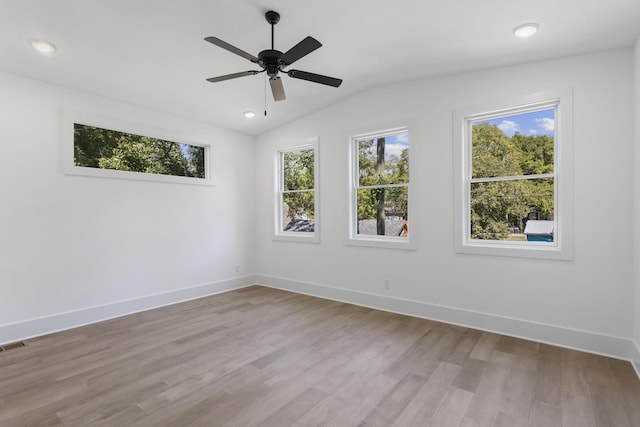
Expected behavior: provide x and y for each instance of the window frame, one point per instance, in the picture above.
(375, 241)
(292, 236)
(70, 118)
(562, 247)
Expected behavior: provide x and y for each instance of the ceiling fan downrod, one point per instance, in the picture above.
(272, 18)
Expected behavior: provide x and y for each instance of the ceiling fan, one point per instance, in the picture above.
(273, 61)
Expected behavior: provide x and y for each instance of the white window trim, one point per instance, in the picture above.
(563, 246)
(387, 242)
(288, 236)
(69, 118)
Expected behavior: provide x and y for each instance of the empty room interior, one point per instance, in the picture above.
(278, 213)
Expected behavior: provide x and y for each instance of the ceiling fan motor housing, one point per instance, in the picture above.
(271, 60)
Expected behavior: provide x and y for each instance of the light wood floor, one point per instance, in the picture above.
(263, 357)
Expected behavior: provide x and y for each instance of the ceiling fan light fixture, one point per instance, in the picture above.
(249, 114)
(45, 47)
(526, 30)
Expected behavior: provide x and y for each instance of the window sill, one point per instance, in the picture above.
(530, 250)
(382, 242)
(297, 237)
(135, 176)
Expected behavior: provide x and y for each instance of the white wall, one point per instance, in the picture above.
(584, 303)
(636, 199)
(70, 243)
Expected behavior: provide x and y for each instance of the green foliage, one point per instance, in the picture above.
(300, 205)
(537, 153)
(298, 175)
(494, 153)
(399, 197)
(540, 196)
(195, 161)
(108, 149)
(497, 206)
(298, 169)
(372, 173)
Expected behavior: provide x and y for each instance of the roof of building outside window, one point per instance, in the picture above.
(392, 227)
(537, 227)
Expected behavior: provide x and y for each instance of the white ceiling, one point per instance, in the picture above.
(152, 52)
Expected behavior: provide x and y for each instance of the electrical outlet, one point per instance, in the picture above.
(387, 284)
(237, 268)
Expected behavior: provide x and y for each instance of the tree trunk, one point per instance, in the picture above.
(380, 215)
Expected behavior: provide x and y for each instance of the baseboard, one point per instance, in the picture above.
(635, 357)
(59, 322)
(605, 345)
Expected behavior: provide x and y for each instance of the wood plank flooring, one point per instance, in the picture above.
(264, 357)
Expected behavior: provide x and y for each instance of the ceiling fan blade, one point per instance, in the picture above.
(233, 76)
(305, 47)
(277, 89)
(316, 78)
(232, 49)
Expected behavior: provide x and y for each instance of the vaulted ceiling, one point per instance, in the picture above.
(152, 52)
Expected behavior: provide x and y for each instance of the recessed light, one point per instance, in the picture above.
(526, 30)
(249, 114)
(45, 47)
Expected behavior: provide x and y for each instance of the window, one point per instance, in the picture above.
(111, 149)
(380, 189)
(296, 201)
(512, 162)
(96, 147)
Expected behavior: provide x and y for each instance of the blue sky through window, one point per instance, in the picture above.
(395, 143)
(541, 122)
